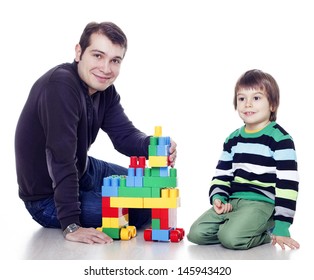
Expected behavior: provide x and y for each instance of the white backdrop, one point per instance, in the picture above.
(179, 72)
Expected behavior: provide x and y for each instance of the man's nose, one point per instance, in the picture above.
(106, 67)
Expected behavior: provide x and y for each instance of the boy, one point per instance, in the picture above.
(255, 188)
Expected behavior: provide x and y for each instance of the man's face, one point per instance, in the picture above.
(99, 66)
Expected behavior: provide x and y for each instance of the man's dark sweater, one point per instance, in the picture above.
(57, 126)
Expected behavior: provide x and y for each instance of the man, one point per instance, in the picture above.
(59, 183)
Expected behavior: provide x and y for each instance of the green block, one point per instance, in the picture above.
(152, 150)
(155, 224)
(122, 181)
(155, 172)
(114, 233)
(156, 192)
(147, 172)
(173, 172)
(153, 140)
(134, 192)
(160, 182)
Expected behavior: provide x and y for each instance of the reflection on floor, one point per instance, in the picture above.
(49, 244)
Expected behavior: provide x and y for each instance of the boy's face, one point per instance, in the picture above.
(99, 66)
(253, 108)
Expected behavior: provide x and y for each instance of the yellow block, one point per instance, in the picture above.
(174, 193)
(169, 192)
(170, 202)
(158, 161)
(127, 202)
(165, 193)
(119, 222)
(106, 222)
(158, 131)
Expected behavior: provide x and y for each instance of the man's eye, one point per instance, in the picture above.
(116, 61)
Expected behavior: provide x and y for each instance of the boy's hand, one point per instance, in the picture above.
(283, 241)
(221, 208)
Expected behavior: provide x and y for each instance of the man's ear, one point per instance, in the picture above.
(78, 52)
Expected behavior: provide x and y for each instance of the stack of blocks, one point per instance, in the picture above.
(152, 187)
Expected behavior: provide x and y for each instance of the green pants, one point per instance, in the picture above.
(245, 227)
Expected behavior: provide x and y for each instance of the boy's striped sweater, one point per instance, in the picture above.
(260, 166)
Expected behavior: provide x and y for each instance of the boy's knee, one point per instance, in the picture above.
(231, 244)
(201, 236)
(194, 236)
(231, 241)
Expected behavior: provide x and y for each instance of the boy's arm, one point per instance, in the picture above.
(221, 182)
(286, 190)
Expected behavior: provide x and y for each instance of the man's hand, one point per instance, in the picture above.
(283, 241)
(173, 153)
(221, 208)
(89, 236)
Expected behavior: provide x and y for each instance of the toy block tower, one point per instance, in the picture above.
(152, 187)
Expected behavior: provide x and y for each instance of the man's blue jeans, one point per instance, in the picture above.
(44, 211)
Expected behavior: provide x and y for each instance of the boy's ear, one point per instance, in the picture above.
(272, 109)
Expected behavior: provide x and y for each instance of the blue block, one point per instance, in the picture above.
(107, 181)
(138, 181)
(164, 140)
(163, 172)
(160, 234)
(139, 172)
(109, 191)
(130, 181)
(115, 182)
(162, 150)
(131, 172)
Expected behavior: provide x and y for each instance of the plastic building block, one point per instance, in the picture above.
(127, 202)
(152, 187)
(158, 161)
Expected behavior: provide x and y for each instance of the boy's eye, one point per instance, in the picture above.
(240, 98)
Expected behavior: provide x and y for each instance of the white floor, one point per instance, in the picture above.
(29, 241)
(29, 249)
(48, 244)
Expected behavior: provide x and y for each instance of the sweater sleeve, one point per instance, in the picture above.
(286, 191)
(59, 110)
(221, 182)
